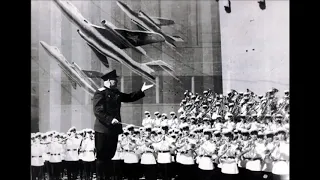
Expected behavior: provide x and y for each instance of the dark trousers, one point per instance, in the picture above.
(173, 170)
(132, 171)
(150, 171)
(255, 175)
(106, 145)
(267, 176)
(187, 172)
(37, 172)
(88, 166)
(229, 176)
(117, 169)
(81, 169)
(164, 171)
(72, 169)
(205, 174)
(104, 169)
(55, 170)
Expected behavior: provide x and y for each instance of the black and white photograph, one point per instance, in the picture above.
(160, 90)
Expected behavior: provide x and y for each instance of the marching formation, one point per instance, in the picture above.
(237, 136)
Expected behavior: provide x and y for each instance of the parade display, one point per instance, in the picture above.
(240, 135)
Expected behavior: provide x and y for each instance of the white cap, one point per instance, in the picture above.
(129, 126)
(164, 114)
(146, 112)
(172, 113)
(156, 113)
(281, 129)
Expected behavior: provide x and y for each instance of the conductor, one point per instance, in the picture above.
(106, 107)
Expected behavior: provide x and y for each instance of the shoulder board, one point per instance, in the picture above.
(101, 89)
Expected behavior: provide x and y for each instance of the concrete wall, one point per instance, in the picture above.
(255, 46)
(56, 105)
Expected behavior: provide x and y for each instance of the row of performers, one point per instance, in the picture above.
(156, 153)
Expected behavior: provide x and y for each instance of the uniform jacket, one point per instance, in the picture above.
(106, 106)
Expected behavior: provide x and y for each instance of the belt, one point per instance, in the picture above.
(230, 157)
(71, 149)
(163, 151)
(148, 152)
(55, 154)
(253, 159)
(88, 151)
(205, 156)
(183, 152)
(128, 151)
(276, 160)
(36, 156)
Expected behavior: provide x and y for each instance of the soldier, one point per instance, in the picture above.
(254, 156)
(88, 148)
(157, 119)
(71, 154)
(206, 151)
(148, 160)
(227, 155)
(131, 155)
(162, 148)
(164, 120)
(173, 121)
(37, 161)
(55, 149)
(268, 163)
(106, 107)
(280, 156)
(117, 159)
(186, 156)
(147, 120)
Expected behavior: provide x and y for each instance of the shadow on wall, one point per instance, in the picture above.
(34, 125)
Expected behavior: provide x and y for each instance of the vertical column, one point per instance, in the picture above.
(44, 66)
(157, 90)
(122, 83)
(192, 85)
(55, 81)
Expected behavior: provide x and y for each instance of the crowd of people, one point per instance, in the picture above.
(212, 136)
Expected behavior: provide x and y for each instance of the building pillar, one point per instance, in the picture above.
(192, 85)
(157, 90)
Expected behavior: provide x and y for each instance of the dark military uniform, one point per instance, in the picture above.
(106, 107)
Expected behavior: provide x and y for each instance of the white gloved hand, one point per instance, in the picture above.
(145, 87)
(114, 121)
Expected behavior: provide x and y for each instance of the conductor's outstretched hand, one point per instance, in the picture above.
(145, 87)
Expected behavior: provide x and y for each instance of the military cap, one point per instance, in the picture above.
(244, 131)
(226, 131)
(267, 132)
(204, 106)
(206, 119)
(217, 103)
(183, 100)
(130, 127)
(209, 99)
(205, 92)
(172, 113)
(240, 93)
(193, 96)
(182, 116)
(156, 113)
(246, 93)
(110, 75)
(146, 112)
(184, 125)
(72, 129)
(281, 129)
(278, 116)
(253, 130)
(286, 91)
(218, 116)
(260, 133)
(188, 104)
(260, 96)
(164, 114)
(197, 100)
(268, 116)
(246, 97)
(250, 102)
(217, 133)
